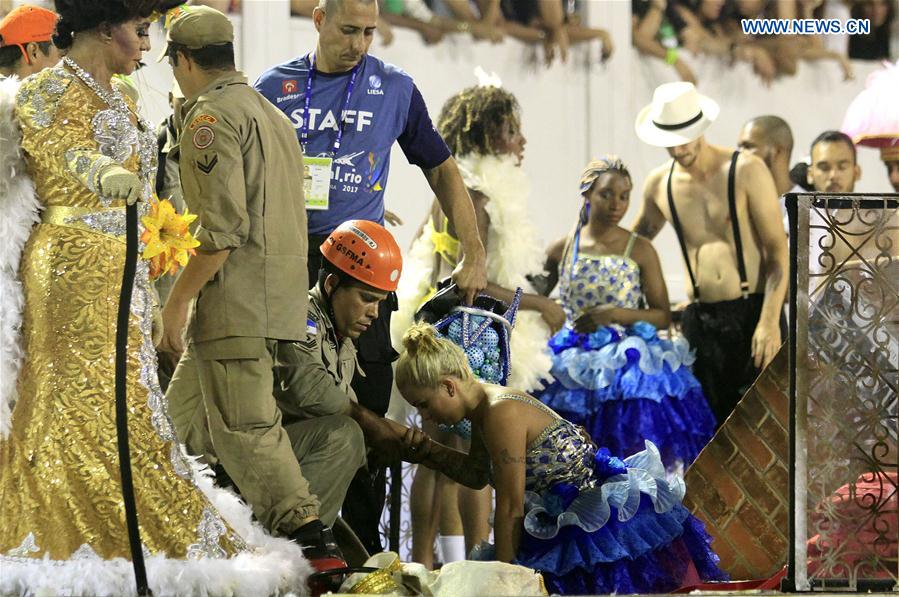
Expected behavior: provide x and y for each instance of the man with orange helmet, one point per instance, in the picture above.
(361, 267)
(313, 378)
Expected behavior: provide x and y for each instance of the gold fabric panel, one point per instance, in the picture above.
(59, 471)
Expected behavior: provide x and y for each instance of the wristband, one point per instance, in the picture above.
(671, 56)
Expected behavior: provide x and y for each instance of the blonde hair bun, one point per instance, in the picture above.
(428, 357)
(421, 338)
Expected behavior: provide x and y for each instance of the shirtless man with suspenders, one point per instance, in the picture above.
(724, 208)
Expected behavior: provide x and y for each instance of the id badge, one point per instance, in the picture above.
(317, 182)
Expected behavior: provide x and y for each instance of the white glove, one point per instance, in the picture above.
(117, 182)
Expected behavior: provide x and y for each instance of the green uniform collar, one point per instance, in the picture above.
(234, 77)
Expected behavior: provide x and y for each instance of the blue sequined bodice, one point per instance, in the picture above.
(561, 453)
(594, 280)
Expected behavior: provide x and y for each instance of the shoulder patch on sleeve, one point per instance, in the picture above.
(202, 119)
(310, 342)
(203, 137)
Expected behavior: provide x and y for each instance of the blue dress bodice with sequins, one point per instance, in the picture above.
(562, 453)
(597, 524)
(594, 280)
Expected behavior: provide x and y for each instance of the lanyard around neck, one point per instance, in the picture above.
(307, 102)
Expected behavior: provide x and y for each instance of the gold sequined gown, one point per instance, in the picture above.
(59, 473)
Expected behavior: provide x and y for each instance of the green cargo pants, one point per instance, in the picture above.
(221, 402)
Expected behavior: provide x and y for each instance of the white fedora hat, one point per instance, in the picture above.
(677, 115)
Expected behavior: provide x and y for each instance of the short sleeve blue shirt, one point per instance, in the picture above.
(385, 106)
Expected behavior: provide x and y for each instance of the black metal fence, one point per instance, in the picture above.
(844, 389)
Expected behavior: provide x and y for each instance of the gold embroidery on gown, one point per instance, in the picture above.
(59, 478)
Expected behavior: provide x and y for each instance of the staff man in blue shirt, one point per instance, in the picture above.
(348, 109)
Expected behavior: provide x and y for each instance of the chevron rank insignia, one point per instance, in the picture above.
(208, 164)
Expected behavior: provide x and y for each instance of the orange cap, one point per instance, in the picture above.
(365, 251)
(26, 24)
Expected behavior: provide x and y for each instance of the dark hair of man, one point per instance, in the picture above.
(10, 55)
(328, 268)
(217, 57)
(83, 15)
(834, 137)
(472, 121)
(799, 176)
(776, 131)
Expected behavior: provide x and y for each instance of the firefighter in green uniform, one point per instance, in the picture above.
(361, 267)
(239, 156)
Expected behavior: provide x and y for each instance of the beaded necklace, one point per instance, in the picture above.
(116, 132)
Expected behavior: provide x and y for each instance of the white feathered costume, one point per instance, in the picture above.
(19, 212)
(511, 256)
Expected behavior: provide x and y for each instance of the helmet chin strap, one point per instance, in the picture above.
(329, 305)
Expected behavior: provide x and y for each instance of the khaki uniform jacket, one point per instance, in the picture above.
(240, 172)
(313, 377)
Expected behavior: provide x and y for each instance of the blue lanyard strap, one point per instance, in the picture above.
(307, 103)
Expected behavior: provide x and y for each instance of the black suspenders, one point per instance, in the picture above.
(732, 206)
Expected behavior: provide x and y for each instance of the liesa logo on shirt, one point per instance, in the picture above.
(374, 85)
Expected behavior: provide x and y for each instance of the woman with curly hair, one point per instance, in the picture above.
(63, 529)
(482, 127)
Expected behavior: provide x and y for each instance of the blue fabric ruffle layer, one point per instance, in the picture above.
(627, 388)
(649, 553)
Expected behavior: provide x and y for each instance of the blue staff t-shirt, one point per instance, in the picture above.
(385, 107)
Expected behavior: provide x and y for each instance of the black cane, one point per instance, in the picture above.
(121, 405)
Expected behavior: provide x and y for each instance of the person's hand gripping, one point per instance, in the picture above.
(117, 182)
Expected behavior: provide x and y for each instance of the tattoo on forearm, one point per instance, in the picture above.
(468, 469)
(505, 457)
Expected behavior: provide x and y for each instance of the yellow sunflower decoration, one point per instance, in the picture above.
(167, 238)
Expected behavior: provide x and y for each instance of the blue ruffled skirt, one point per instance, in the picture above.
(628, 534)
(628, 386)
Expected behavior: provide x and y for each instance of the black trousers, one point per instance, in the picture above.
(366, 495)
(721, 334)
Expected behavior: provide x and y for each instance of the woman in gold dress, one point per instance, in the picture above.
(62, 528)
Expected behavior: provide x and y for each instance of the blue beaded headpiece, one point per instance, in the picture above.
(484, 336)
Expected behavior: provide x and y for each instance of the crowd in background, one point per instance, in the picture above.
(675, 31)
(713, 27)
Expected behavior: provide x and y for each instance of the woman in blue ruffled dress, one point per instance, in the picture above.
(614, 374)
(588, 521)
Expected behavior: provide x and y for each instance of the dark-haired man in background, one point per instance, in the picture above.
(770, 138)
(833, 169)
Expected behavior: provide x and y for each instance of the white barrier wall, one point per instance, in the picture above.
(570, 112)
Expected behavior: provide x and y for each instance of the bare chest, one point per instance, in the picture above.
(701, 207)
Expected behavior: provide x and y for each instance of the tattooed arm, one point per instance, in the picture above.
(506, 440)
(471, 470)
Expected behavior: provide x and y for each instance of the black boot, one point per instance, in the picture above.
(319, 546)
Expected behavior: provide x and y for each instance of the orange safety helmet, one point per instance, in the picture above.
(365, 251)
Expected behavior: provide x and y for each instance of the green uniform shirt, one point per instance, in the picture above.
(241, 169)
(313, 377)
